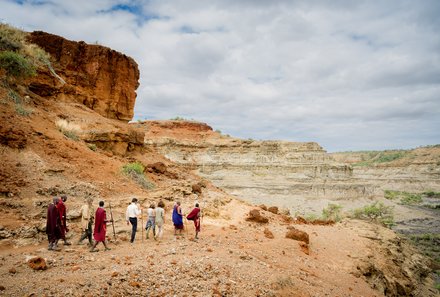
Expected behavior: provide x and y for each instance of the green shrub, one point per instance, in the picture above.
(92, 146)
(22, 111)
(135, 167)
(432, 194)
(178, 119)
(11, 39)
(16, 65)
(332, 212)
(410, 199)
(391, 195)
(377, 212)
(405, 197)
(135, 171)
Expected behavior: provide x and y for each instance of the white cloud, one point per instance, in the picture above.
(347, 74)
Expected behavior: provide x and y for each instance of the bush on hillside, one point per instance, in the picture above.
(332, 212)
(135, 171)
(376, 212)
(16, 65)
(69, 129)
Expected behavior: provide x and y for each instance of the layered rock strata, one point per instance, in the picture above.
(286, 173)
(96, 76)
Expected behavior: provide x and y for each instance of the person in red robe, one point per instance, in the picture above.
(100, 227)
(53, 225)
(195, 216)
(63, 217)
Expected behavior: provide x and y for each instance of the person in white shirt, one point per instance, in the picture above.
(131, 216)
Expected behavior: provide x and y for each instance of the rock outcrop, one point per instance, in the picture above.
(284, 173)
(96, 76)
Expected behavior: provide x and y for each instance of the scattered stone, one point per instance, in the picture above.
(75, 268)
(135, 284)
(255, 216)
(273, 209)
(2, 288)
(296, 234)
(196, 189)
(37, 263)
(115, 274)
(12, 270)
(263, 207)
(304, 247)
(268, 233)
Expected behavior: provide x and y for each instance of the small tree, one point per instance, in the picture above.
(332, 212)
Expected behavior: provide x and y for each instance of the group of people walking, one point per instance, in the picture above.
(56, 227)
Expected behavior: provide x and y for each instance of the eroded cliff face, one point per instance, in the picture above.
(414, 170)
(98, 77)
(286, 173)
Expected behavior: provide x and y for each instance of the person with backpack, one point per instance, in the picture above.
(194, 215)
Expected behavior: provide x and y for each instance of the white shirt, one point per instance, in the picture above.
(132, 211)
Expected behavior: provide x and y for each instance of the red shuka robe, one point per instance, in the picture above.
(100, 225)
(62, 211)
(195, 215)
(53, 228)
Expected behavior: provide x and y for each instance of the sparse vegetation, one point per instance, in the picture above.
(22, 110)
(376, 157)
(377, 212)
(92, 146)
(432, 194)
(69, 129)
(429, 244)
(405, 197)
(19, 58)
(178, 119)
(16, 65)
(135, 171)
(332, 212)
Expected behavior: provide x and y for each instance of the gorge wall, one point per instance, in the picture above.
(284, 173)
(299, 176)
(96, 76)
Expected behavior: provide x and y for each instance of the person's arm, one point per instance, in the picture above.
(127, 217)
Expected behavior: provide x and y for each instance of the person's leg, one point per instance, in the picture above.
(94, 246)
(84, 235)
(133, 222)
(89, 236)
(105, 246)
(148, 231)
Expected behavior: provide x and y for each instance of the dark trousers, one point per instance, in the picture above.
(134, 225)
(87, 234)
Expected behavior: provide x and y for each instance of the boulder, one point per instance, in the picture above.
(255, 216)
(37, 263)
(273, 209)
(296, 234)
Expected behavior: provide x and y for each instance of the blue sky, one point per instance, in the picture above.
(350, 75)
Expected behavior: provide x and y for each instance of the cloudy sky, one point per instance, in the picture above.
(350, 75)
